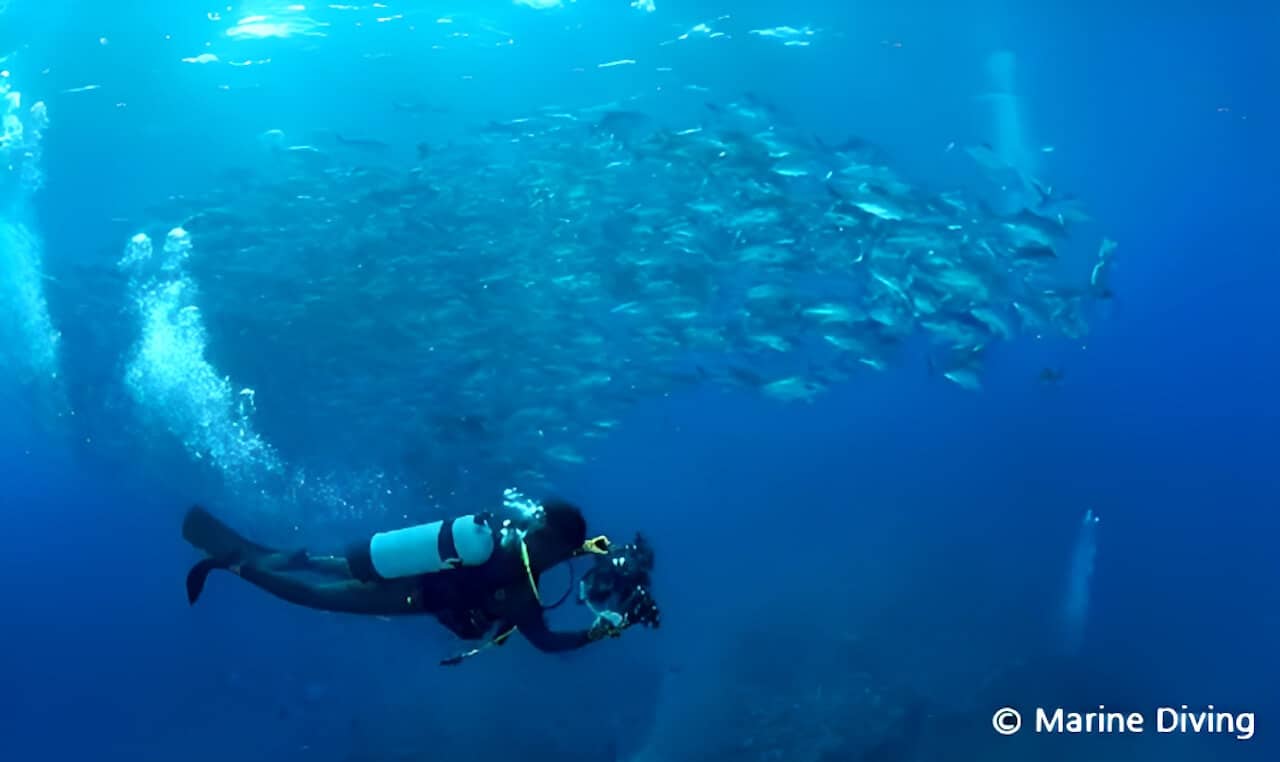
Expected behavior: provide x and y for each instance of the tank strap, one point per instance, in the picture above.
(445, 545)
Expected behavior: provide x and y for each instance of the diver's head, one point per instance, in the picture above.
(558, 536)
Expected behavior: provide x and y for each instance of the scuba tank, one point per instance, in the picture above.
(428, 548)
(469, 540)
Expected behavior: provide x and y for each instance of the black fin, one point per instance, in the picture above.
(216, 539)
(197, 576)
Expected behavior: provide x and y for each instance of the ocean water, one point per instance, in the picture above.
(868, 574)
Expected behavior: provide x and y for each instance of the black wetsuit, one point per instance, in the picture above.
(470, 601)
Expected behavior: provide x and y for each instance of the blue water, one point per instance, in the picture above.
(945, 521)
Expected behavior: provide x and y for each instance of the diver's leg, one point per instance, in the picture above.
(300, 560)
(350, 597)
(334, 566)
(218, 540)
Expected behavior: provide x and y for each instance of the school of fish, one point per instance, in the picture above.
(508, 297)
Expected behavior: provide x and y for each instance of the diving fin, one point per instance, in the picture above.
(216, 539)
(199, 573)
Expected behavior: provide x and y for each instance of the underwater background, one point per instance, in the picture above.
(861, 572)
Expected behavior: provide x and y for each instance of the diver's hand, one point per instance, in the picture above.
(607, 625)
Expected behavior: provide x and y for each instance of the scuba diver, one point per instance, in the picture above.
(477, 576)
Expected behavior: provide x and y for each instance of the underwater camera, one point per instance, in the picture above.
(620, 580)
(640, 608)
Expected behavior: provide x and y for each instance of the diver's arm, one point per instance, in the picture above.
(534, 629)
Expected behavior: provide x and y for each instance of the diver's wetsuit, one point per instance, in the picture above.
(467, 600)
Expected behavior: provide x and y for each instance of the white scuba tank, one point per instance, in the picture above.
(427, 548)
